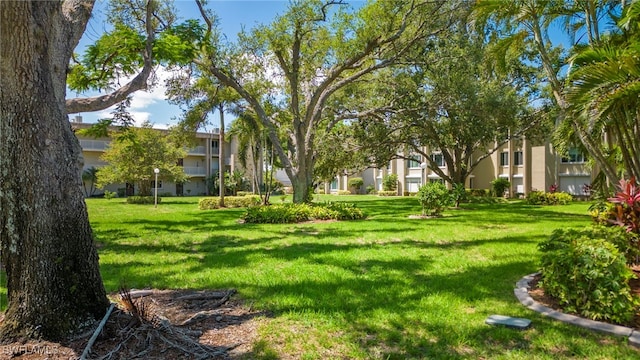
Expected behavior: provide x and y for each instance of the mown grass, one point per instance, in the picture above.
(387, 287)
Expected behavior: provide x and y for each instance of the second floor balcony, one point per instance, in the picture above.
(195, 170)
(94, 145)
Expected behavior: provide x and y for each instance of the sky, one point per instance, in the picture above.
(151, 105)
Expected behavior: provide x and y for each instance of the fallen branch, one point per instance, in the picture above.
(204, 296)
(140, 293)
(201, 315)
(87, 349)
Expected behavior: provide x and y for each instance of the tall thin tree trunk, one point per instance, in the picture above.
(221, 156)
(46, 243)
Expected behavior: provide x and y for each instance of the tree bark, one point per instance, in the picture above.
(46, 243)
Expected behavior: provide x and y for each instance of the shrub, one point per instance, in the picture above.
(229, 201)
(122, 192)
(479, 192)
(166, 194)
(433, 197)
(109, 194)
(542, 198)
(387, 193)
(390, 182)
(499, 186)
(142, 200)
(371, 189)
(243, 193)
(344, 192)
(626, 206)
(293, 213)
(587, 275)
(356, 183)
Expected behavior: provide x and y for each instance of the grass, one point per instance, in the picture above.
(387, 287)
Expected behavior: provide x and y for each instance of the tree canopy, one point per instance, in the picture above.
(133, 155)
(302, 59)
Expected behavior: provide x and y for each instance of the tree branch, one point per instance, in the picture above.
(137, 83)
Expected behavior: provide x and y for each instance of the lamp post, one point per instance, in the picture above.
(155, 197)
(423, 166)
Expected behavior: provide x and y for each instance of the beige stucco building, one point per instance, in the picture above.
(526, 165)
(202, 161)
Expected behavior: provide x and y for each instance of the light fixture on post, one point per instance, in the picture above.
(423, 166)
(155, 198)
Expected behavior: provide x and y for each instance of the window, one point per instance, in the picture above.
(153, 184)
(504, 158)
(436, 180)
(180, 162)
(413, 161)
(575, 156)
(334, 184)
(518, 159)
(214, 144)
(438, 159)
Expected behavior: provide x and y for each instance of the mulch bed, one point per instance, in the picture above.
(538, 295)
(177, 324)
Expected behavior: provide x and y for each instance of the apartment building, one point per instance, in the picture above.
(202, 161)
(526, 165)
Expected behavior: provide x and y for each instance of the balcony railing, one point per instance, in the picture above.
(198, 150)
(96, 145)
(194, 171)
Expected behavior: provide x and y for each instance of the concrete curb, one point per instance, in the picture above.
(522, 293)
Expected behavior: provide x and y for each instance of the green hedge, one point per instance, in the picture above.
(243, 193)
(293, 213)
(545, 198)
(588, 275)
(229, 201)
(387, 193)
(142, 200)
(344, 192)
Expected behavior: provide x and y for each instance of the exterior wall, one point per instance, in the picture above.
(202, 161)
(540, 168)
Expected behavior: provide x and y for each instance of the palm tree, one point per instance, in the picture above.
(527, 22)
(89, 175)
(603, 88)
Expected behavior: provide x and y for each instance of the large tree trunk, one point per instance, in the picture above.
(46, 243)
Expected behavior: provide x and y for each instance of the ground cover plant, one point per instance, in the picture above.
(387, 287)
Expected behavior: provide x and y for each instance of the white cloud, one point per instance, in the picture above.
(145, 105)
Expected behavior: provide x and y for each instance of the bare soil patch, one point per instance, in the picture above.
(183, 324)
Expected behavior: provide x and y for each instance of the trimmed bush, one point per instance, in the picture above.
(344, 192)
(387, 193)
(433, 197)
(229, 201)
(587, 275)
(390, 182)
(142, 200)
(243, 193)
(356, 183)
(499, 186)
(294, 213)
(371, 189)
(543, 198)
(109, 194)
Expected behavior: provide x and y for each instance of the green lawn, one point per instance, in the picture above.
(387, 287)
